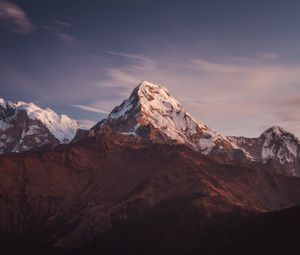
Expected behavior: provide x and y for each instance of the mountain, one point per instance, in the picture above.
(152, 114)
(118, 194)
(25, 126)
(276, 147)
(149, 179)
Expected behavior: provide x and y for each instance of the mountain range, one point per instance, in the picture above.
(148, 179)
(151, 113)
(25, 126)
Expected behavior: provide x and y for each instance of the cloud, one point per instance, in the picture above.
(129, 56)
(293, 101)
(289, 116)
(63, 23)
(288, 109)
(235, 95)
(90, 108)
(268, 56)
(86, 124)
(61, 30)
(15, 17)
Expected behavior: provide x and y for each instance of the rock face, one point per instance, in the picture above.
(149, 179)
(25, 126)
(89, 196)
(151, 113)
(277, 148)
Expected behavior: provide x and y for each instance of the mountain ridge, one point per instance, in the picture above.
(275, 147)
(25, 126)
(151, 112)
(119, 190)
(65, 198)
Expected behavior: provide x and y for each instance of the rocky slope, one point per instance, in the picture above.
(90, 195)
(25, 126)
(137, 184)
(151, 113)
(276, 147)
(269, 233)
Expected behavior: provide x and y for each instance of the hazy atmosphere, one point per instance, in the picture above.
(233, 64)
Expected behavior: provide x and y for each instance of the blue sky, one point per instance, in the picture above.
(233, 64)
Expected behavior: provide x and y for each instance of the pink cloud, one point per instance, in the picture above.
(15, 16)
(233, 95)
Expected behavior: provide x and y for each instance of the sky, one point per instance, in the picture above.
(234, 64)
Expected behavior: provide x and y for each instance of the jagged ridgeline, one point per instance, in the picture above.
(25, 126)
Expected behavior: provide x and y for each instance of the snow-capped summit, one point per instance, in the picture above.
(61, 126)
(152, 113)
(279, 144)
(24, 126)
(275, 146)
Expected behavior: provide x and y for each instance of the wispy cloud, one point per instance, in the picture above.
(230, 94)
(15, 18)
(293, 101)
(127, 55)
(86, 124)
(61, 30)
(235, 95)
(63, 23)
(269, 56)
(90, 108)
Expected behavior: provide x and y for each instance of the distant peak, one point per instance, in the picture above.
(6, 104)
(276, 130)
(61, 126)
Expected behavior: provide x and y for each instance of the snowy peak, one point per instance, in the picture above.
(280, 144)
(277, 132)
(152, 112)
(24, 126)
(6, 109)
(276, 148)
(146, 97)
(61, 126)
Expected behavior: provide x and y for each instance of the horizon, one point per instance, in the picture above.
(234, 66)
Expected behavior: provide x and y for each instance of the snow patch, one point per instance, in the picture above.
(33, 130)
(121, 111)
(61, 126)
